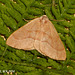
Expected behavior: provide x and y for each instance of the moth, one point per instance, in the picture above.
(39, 34)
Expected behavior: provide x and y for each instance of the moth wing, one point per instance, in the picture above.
(50, 42)
(24, 37)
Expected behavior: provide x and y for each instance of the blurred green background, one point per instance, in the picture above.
(16, 13)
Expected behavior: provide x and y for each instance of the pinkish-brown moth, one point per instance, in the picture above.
(39, 34)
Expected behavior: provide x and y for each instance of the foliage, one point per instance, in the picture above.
(16, 13)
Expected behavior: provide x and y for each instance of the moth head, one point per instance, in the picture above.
(44, 19)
